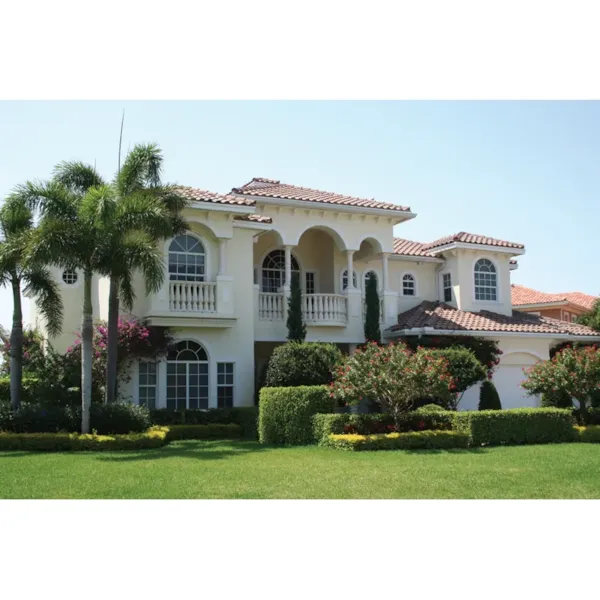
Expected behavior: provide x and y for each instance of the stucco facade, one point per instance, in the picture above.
(226, 286)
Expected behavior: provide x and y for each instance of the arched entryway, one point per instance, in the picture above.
(187, 376)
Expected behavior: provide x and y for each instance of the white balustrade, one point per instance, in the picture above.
(270, 306)
(193, 296)
(324, 308)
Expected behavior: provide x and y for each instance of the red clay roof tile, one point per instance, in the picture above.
(521, 296)
(472, 238)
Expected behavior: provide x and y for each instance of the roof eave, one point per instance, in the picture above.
(413, 258)
(468, 246)
(419, 331)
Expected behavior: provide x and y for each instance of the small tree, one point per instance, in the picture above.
(592, 318)
(574, 372)
(295, 324)
(393, 376)
(372, 312)
(488, 397)
(465, 369)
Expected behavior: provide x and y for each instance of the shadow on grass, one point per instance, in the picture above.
(194, 449)
(448, 451)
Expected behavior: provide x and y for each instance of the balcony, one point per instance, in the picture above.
(193, 296)
(317, 309)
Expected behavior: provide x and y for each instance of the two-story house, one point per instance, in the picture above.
(228, 278)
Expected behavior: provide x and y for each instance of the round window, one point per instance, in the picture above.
(69, 276)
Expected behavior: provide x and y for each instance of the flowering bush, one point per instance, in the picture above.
(393, 376)
(572, 371)
(33, 353)
(136, 340)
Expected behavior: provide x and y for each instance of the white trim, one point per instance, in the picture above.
(486, 247)
(248, 209)
(263, 227)
(494, 262)
(208, 275)
(331, 207)
(376, 251)
(488, 334)
(532, 352)
(416, 286)
(417, 259)
(555, 304)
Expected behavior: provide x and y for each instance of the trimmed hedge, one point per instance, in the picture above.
(285, 413)
(516, 426)
(302, 363)
(489, 399)
(244, 416)
(205, 432)
(368, 424)
(412, 440)
(588, 435)
(72, 442)
(104, 418)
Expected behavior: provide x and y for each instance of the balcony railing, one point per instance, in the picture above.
(316, 308)
(324, 308)
(193, 296)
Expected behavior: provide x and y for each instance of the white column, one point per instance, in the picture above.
(222, 256)
(288, 269)
(350, 255)
(384, 270)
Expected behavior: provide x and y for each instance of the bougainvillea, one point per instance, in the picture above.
(136, 340)
(33, 353)
(572, 371)
(393, 376)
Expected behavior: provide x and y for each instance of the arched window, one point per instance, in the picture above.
(486, 280)
(187, 376)
(187, 259)
(370, 275)
(273, 270)
(409, 285)
(345, 279)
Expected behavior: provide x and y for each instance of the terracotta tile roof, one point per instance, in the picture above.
(409, 248)
(472, 238)
(443, 317)
(254, 218)
(272, 188)
(196, 195)
(521, 295)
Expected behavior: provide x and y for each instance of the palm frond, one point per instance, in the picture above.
(77, 176)
(99, 207)
(51, 197)
(58, 242)
(126, 290)
(142, 166)
(40, 284)
(16, 215)
(141, 253)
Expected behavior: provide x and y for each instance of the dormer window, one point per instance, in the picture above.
(486, 281)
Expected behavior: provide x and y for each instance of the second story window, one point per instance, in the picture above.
(409, 285)
(345, 279)
(486, 280)
(273, 270)
(447, 287)
(187, 259)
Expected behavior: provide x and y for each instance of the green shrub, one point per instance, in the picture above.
(28, 389)
(413, 440)
(70, 442)
(430, 408)
(489, 398)
(589, 434)
(368, 424)
(214, 431)
(516, 426)
(556, 400)
(306, 363)
(244, 416)
(285, 413)
(119, 418)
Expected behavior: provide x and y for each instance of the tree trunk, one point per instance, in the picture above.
(16, 347)
(87, 334)
(112, 345)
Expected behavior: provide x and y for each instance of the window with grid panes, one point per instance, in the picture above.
(447, 287)
(225, 385)
(147, 384)
(408, 285)
(486, 280)
(273, 270)
(310, 282)
(187, 376)
(186, 259)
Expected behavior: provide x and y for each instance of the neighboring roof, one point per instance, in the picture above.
(443, 317)
(409, 248)
(254, 218)
(196, 195)
(523, 296)
(472, 238)
(273, 188)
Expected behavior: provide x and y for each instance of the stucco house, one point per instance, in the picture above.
(227, 280)
(564, 306)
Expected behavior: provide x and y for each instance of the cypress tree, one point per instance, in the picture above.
(488, 397)
(295, 324)
(372, 331)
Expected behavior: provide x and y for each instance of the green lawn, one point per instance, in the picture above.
(247, 470)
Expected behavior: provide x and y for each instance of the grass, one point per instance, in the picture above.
(194, 469)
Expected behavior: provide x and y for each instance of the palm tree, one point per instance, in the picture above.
(146, 211)
(17, 229)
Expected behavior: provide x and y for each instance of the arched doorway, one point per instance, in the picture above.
(187, 376)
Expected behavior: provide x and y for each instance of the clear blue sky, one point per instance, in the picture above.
(523, 171)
